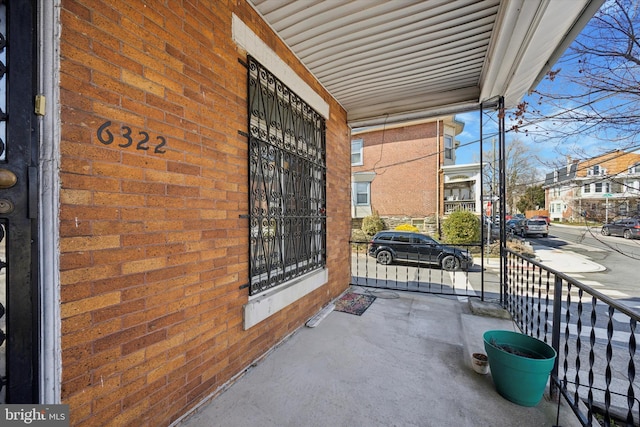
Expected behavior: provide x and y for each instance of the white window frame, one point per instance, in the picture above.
(357, 191)
(262, 306)
(448, 147)
(359, 152)
(598, 187)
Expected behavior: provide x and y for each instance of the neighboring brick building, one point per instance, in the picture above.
(601, 188)
(407, 173)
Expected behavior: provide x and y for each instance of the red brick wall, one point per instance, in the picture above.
(153, 249)
(405, 161)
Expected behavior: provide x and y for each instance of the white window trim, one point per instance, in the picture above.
(355, 194)
(449, 147)
(361, 162)
(250, 42)
(263, 305)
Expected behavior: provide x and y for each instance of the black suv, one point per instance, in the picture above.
(390, 246)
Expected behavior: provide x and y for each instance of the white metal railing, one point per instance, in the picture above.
(453, 206)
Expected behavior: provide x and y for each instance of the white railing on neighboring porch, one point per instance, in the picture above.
(452, 206)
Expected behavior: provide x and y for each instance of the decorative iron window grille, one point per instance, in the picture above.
(287, 175)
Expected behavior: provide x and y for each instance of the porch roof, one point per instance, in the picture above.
(393, 61)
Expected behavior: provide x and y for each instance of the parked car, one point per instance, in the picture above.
(546, 218)
(390, 246)
(629, 228)
(513, 226)
(534, 226)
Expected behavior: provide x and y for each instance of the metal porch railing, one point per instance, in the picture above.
(413, 275)
(594, 335)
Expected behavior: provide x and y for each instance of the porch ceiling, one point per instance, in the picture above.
(392, 61)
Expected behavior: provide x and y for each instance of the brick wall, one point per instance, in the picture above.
(405, 161)
(153, 249)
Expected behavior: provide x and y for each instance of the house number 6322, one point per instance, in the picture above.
(140, 141)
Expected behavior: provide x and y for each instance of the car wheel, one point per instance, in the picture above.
(606, 232)
(450, 263)
(544, 235)
(627, 234)
(384, 257)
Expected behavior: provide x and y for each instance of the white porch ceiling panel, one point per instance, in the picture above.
(398, 60)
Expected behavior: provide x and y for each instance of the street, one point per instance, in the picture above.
(620, 258)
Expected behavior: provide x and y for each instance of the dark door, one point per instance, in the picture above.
(18, 205)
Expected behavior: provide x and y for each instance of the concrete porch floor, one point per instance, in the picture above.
(405, 362)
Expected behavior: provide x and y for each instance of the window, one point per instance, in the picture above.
(602, 187)
(362, 192)
(402, 239)
(286, 183)
(587, 188)
(356, 152)
(418, 223)
(635, 168)
(448, 147)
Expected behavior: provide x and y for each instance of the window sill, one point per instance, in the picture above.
(270, 302)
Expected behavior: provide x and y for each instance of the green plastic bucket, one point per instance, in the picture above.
(520, 365)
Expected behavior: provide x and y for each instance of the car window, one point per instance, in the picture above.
(402, 238)
(422, 240)
(537, 222)
(384, 237)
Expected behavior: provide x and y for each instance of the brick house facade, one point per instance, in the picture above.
(601, 188)
(409, 174)
(145, 137)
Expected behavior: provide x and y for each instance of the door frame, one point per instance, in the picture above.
(49, 32)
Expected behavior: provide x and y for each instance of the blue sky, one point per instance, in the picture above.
(469, 151)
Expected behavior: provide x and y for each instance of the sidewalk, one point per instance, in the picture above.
(404, 362)
(564, 261)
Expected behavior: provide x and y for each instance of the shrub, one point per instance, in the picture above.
(461, 228)
(407, 227)
(372, 224)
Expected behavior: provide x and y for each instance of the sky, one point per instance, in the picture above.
(469, 149)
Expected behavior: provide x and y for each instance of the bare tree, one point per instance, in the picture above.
(520, 171)
(595, 92)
